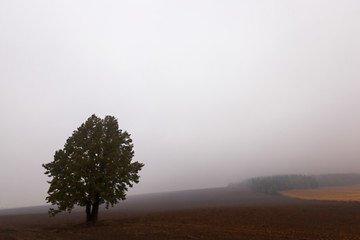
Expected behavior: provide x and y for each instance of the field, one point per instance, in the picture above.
(224, 213)
(346, 193)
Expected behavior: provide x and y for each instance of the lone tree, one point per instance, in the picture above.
(94, 167)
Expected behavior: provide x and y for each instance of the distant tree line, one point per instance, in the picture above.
(274, 184)
(332, 180)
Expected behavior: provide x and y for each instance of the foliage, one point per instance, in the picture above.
(94, 167)
(273, 184)
(332, 180)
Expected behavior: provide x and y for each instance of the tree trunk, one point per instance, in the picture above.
(88, 212)
(92, 212)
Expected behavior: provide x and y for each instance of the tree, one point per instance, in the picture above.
(94, 167)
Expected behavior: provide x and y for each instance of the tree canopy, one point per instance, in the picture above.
(95, 167)
(273, 184)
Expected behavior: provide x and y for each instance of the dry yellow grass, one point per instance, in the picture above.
(344, 193)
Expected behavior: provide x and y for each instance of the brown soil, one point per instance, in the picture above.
(253, 216)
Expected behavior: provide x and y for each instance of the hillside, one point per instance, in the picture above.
(176, 200)
(221, 213)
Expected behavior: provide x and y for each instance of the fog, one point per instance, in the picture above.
(211, 92)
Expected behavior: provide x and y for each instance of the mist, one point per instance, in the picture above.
(211, 92)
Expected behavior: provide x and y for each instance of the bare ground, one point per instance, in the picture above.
(343, 193)
(223, 214)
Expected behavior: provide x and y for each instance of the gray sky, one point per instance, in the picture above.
(211, 91)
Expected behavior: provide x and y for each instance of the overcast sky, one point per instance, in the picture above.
(211, 91)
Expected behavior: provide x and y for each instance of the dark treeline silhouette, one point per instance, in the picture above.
(343, 179)
(274, 184)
